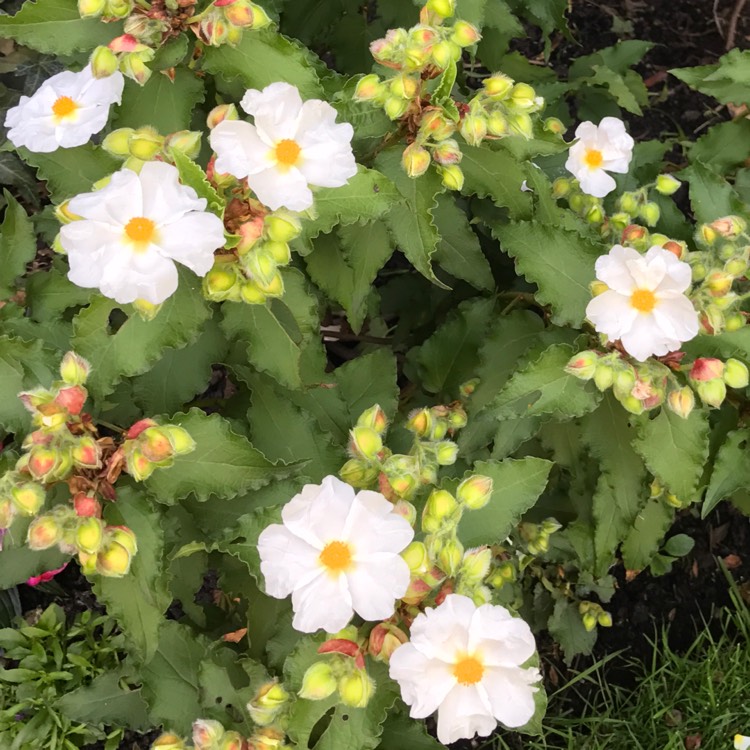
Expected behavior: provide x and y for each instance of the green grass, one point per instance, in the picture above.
(705, 692)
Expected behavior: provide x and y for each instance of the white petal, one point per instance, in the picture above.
(276, 189)
(424, 682)
(613, 269)
(192, 239)
(375, 527)
(323, 603)
(328, 164)
(503, 640)
(586, 131)
(510, 694)
(647, 274)
(676, 317)
(442, 632)
(128, 276)
(741, 742)
(275, 111)
(375, 586)
(678, 276)
(164, 198)
(616, 163)
(102, 91)
(462, 715)
(238, 148)
(116, 203)
(286, 560)
(645, 339)
(611, 313)
(596, 182)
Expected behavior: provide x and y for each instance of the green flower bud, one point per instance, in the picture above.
(116, 143)
(168, 741)
(452, 176)
(113, 561)
(712, 392)
(28, 498)
(365, 442)
(74, 369)
(604, 619)
(650, 213)
(474, 129)
(356, 689)
(521, 124)
(395, 107)
(666, 184)
(734, 322)
(89, 535)
(498, 86)
(187, 142)
(103, 62)
(561, 187)
(441, 8)
(589, 621)
(475, 491)
(522, 96)
(318, 682)
(440, 507)
(554, 126)
(736, 374)
(145, 143)
(475, 565)
(415, 160)
(450, 556)
(416, 558)
(446, 453)
(368, 88)
(583, 365)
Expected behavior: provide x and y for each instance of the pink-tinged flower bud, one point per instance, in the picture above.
(239, 13)
(72, 399)
(233, 741)
(369, 88)
(168, 741)
(28, 498)
(86, 453)
(7, 513)
(712, 392)
(445, 54)
(89, 535)
(465, 34)
(403, 486)
(207, 734)
(406, 510)
(44, 532)
(141, 425)
(365, 442)
(707, 368)
(133, 65)
(113, 561)
(384, 639)
(435, 124)
(356, 689)
(678, 249)
(729, 227)
(250, 232)
(736, 374)
(474, 129)
(87, 506)
(138, 466)
(583, 365)
(318, 682)
(447, 152)
(420, 422)
(125, 43)
(681, 401)
(221, 113)
(103, 62)
(42, 462)
(404, 86)
(91, 8)
(155, 445)
(719, 283)
(375, 418)
(452, 176)
(633, 233)
(415, 160)
(475, 491)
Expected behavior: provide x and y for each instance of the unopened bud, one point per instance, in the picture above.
(475, 491)
(44, 532)
(441, 8)
(318, 682)
(395, 107)
(375, 418)
(187, 142)
(420, 422)
(633, 233)
(404, 86)
(498, 86)
(87, 506)
(91, 8)
(440, 507)
(450, 556)
(474, 129)
(74, 369)
(446, 453)
(358, 473)
(221, 113)
(365, 442)
(719, 283)
(712, 392)
(356, 689)
(583, 365)
(384, 639)
(89, 535)
(42, 462)
(707, 368)
(416, 557)
(589, 621)
(145, 143)
(554, 126)
(522, 96)
(475, 565)
(465, 34)
(113, 561)
(28, 498)
(729, 227)
(666, 184)
(207, 734)
(368, 88)
(681, 401)
(415, 160)
(86, 453)
(521, 124)
(452, 176)
(650, 213)
(168, 741)
(736, 374)
(734, 322)
(103, 62)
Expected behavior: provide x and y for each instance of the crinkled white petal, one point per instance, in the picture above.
(678, 275)
(741, 742)
(613, 270)
(286, 560)
(676, 317)
(500, 683)
(167, 199)
(323, 603)
(463, 714)
(146, 275)
(424, 682)
(278, 188)
(506, 641)
(611, 314)
(375, 585)
(596, 182)
(275, 109)
(239, 150)
(645, 338)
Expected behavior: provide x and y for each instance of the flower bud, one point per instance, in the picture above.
(441, 8)
(440, 507)
(374, 418)
(74, 369)
(554, 125)
(650, 213)
(734, 322)
(91, 8)
(450, 556)
(404, 86)
(729, 227)
(452, 176)
(384, 639)
(113, 561)
(712, 392)
(7, 513)
(356, 689)
(604, 619)
(268, 703)
(369, 88)
(221, 113)
(72, 399)
(179, 438)
(42, 462)
(498, 86)
(589, 621)
(666, 184)
(187, 142)
(416, 558)
(444, 54)
(447, 152)
(583, 365)
(168, 741)
(497, 123)
(123, 536)
(117, 9)
(220, 282)
(465, 34)
(681, 401)
(28, 498)
(207, 734)
(252, 294)
(415, 160)
(446, 453)
(522, 96)
(521, 124)
(103, 62)
(719, 283)
(87, 506)
(707, 368)
(365, 442)
(318, 682)
(89, 535)
(395, 107)
(420, 422)
(145, 143)
(475, 565)
(233, 741)
(85, 453)
(133, 65)
(736, 374)
(604, 376)
(474, 129)
(475, 491)
(358, 473)
(44, 532)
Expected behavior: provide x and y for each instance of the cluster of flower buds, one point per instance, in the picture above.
(102, 549)
(137, 146)
(107, 10)
(499, 109)
(223, 21)
(149, 446)
(399, 476)
(536, 535)
(207, 735)
(592, 615)
(124, 53)
(722, 262)
(343, 670)
(710, 378)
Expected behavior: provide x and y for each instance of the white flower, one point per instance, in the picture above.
(290, 146)
(65, 111)
(598, 150)
(645, 306)
(465, 662)
(741, 742)
(133, 230)
(336, 553)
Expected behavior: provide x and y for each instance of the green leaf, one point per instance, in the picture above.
(644, 539)
(49, 294)
(56, 28)
(679, 545)
(23, 365)
(627, 89)
(449, 356)
(496, 175)
(137, 344)
(243, 537)
(70, 171)
(728, 81)
(458, 251)
(367, 196)
(139, 600)
(193, 176)
(543, 387)
(279, 333)
(724, 147)
(285, 432)
(711, 196)
(162, 103)
(17, 244)
(368, 380)
(264, 57)
(410, 220)
(400, 731)
(346, 267)
(559, 261)
(566, 627)
(223, 463)
(518, 483)
(675, 449)
(731, 471)
(170, 679)
(18, 563)
(105, 702)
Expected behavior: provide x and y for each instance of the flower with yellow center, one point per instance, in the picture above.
(65, 111)
(467, 663)
(132, 231)
(336, 553)
(291, 145)
(741, 742)
(644, 304)
(600, 149)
